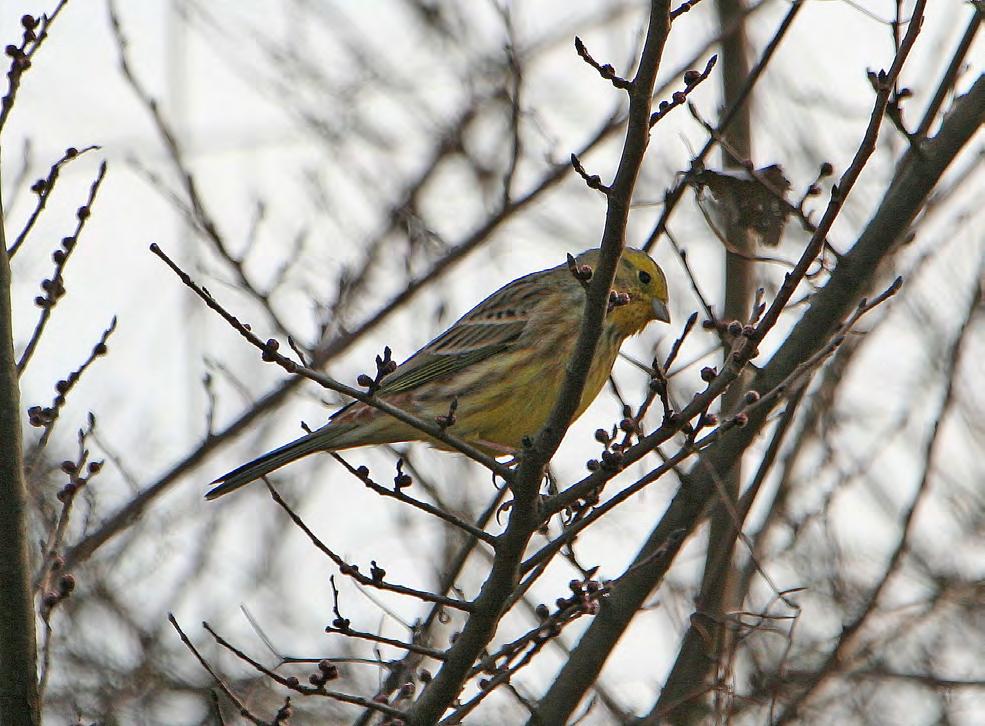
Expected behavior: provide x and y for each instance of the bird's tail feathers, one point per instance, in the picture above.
(273, 460)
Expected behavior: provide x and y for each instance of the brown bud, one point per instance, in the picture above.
(612, 459)
(341, 623)
(328, 669)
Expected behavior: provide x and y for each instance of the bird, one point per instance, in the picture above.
(503, 363)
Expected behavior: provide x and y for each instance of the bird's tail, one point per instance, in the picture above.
(320, 440)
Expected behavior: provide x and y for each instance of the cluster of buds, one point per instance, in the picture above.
(270, 354)
(582, 273)
(732, 328)
(64, 586)
(584, 599)
(385, 365)
(448, 419)
(612, 456)
(347, 569)
(76, 478)
(402, 480)
(617, 299)
(340, 623)
(20, 61)
(54, 290)
(327, 671)
(44, 416)
(585, 595)
(705, 420)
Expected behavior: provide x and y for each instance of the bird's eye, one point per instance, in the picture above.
(645, 277)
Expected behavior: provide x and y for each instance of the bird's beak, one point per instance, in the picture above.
(660, 311)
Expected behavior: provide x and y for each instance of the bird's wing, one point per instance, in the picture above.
(491, 327)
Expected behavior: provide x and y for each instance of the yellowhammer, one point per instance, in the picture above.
(503, 361)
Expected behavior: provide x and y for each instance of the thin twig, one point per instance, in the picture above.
(240, 706)
(354, 572)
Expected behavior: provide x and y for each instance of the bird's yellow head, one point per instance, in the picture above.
(639, 277)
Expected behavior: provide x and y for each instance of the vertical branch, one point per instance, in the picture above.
(735, 74)
(524, 519)
(19, 703)
(700, 652)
